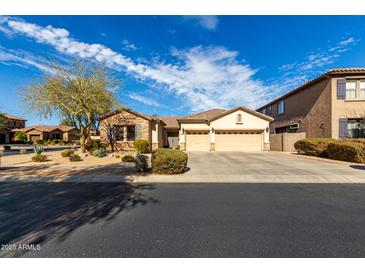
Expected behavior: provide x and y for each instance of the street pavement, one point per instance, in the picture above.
(182, 220)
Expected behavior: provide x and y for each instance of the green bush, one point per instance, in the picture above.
(6, 147)
(128, 158)
(21, 136)
(168, 161)
(40, 158)
(313, 146)
(75, 158)
(177, 147)
(95, 145)
(347, 150)
(67, 152)
(101, 152)
(141, 146)
(40, 142)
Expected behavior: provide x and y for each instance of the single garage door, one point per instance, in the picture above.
(198, 141)
(249, 141)
(35, 138)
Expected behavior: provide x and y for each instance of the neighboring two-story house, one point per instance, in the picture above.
(331, 105)
(12, 122)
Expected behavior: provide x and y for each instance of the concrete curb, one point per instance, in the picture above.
(250, 179)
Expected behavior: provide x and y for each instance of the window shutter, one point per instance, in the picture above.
(341, 89)
(342, 133)
(138, 131)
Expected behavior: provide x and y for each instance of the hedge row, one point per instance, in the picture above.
(351, 150)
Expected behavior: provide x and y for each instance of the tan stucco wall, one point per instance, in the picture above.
(125, 118)
(310, 101)
(317, 122)
(344, 109)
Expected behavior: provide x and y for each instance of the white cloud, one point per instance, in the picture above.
(205, 77)
(144, 100)
(209, 22)
(24, 59)
(297, 73)
(128, 45)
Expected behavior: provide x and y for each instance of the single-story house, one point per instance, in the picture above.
(237, 129)
(44, 132)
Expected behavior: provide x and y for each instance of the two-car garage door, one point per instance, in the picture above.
(249, 141)
(238, 141)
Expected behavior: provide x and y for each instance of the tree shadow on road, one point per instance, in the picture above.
(31, 213)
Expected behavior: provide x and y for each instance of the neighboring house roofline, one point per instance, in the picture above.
(326, 75)
(44, 128)
(13, 117)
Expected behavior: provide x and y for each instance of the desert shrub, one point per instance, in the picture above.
(168, 161)
(347, 150)
(117, 156)
(75, 157)
(67, 152)
(39, 142)
(38, 149)
(101, 152)
(21, 136)
(95, 145)
(23, 151)
(177, 147)
(313, 146)
(6, 147)
(141, 163)
(128, 158)
(39, 158)
(141, 146)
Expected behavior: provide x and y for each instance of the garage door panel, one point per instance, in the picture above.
(250, 142)
(197, 142)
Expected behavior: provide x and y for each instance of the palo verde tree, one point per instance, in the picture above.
(80, 94)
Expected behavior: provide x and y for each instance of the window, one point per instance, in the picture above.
(239, 118)
(119, 133)
(355, 128)
(269, 110)
(362, 89)
(281, 107)
(131, 133)
(350, 89)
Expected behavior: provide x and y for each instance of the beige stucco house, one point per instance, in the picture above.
(237, 129)
(331, 105)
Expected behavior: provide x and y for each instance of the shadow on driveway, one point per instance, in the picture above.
(34, 212)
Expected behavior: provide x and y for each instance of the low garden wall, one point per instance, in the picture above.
(285, 141)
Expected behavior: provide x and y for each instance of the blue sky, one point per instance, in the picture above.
(177, 65)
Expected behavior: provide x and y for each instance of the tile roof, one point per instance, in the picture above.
(205, 115)
(13, 117)
(334, 71)
(170, 121)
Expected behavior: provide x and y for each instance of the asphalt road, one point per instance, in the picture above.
(184, 220)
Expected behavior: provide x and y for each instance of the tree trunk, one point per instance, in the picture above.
(83, 139)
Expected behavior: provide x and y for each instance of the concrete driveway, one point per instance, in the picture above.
(264, 167)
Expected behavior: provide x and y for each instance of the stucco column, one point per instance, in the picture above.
(182, 139)
(212, 139)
